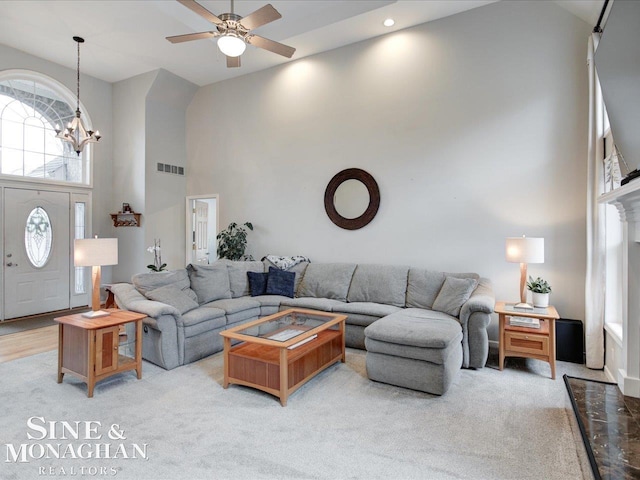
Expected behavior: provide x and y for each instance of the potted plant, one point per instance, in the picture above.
(232, 242)
(540, 290)
(157, 265)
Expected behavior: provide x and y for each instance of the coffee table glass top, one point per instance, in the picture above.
(282, 328)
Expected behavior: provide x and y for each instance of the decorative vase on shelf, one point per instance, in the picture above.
(540, 299)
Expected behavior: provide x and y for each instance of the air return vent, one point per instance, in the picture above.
(173, 169)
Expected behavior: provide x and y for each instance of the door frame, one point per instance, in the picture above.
(189, 220)
(75, 192)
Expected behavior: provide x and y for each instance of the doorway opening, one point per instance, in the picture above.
(202, 228)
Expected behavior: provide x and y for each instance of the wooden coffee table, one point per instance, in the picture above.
(281, 352)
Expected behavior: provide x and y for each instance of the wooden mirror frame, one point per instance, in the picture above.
(374, 198)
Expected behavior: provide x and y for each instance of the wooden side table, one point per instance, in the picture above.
(91, 348)
(538, 343)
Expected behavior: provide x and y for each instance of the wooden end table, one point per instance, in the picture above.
(90, 348)
(538, 343)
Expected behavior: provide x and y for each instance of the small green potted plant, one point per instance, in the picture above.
(232, 242)
(540, 290)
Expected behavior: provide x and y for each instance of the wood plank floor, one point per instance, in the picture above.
(30, 342)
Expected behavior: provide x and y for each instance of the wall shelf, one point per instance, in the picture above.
(126, 219)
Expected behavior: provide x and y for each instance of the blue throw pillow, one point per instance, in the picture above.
(257, 283)
(280, 282)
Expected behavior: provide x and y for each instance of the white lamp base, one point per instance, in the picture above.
(96, 314)
(524, 306)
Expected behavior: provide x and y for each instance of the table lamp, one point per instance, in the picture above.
(524, 250)
(94, 253)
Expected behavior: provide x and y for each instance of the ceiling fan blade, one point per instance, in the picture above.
(233, 62)
(200, 10)
(275, 47)
(192, 36)
(262, 16)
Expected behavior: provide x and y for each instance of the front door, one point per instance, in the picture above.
(36, 262)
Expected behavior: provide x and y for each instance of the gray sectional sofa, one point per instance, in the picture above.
(188, 308)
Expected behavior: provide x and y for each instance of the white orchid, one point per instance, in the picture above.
(157, 265)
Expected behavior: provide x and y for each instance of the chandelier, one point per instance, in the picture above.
(75, 132)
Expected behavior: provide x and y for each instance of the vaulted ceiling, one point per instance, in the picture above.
(127, 37)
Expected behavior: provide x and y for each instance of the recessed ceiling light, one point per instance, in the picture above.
(389, 22)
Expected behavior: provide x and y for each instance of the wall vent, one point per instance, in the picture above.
(172, 169)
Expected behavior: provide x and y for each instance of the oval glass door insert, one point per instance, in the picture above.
(38, 237)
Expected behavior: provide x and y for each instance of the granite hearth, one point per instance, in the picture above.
(609, 424)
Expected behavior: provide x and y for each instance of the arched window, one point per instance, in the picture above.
(31, 105)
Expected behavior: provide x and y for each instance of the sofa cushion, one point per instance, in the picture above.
(270, 300)
(234, 305)
(413, 331)
(424, 285)
(425, 313)
(327, 280)
(323, 304)
(210, 282)
(367, 308)
(298, 269)
(280, 282)
(145, 282)
(433, 355)
(360, 320)
(174, 296)
(238, 280)
(385, 284)
(257, 283)
(453, 294)
(210, 317)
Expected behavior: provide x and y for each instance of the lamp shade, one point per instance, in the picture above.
(92, 252)
(231, 45)
(525, 250)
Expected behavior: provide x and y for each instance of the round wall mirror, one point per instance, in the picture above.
(352, 198)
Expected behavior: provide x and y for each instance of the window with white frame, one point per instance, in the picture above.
(31, 106)
(613, 237)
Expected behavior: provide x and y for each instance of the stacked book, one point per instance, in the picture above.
(524, 322)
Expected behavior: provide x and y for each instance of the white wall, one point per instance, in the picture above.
(166, 106)
(149, 117)
(474, 127)
(129, 171)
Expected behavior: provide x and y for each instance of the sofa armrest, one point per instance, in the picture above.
(475, 316)
(130, 299)
(482, 300)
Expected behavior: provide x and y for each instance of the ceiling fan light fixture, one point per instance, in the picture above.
(231, 44)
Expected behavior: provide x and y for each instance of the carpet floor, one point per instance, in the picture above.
(514, 424)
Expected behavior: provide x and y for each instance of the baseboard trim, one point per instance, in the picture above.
(629, 386)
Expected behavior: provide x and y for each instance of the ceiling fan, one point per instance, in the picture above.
(234, 31)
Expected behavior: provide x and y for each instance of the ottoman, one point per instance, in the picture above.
(422, 354)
